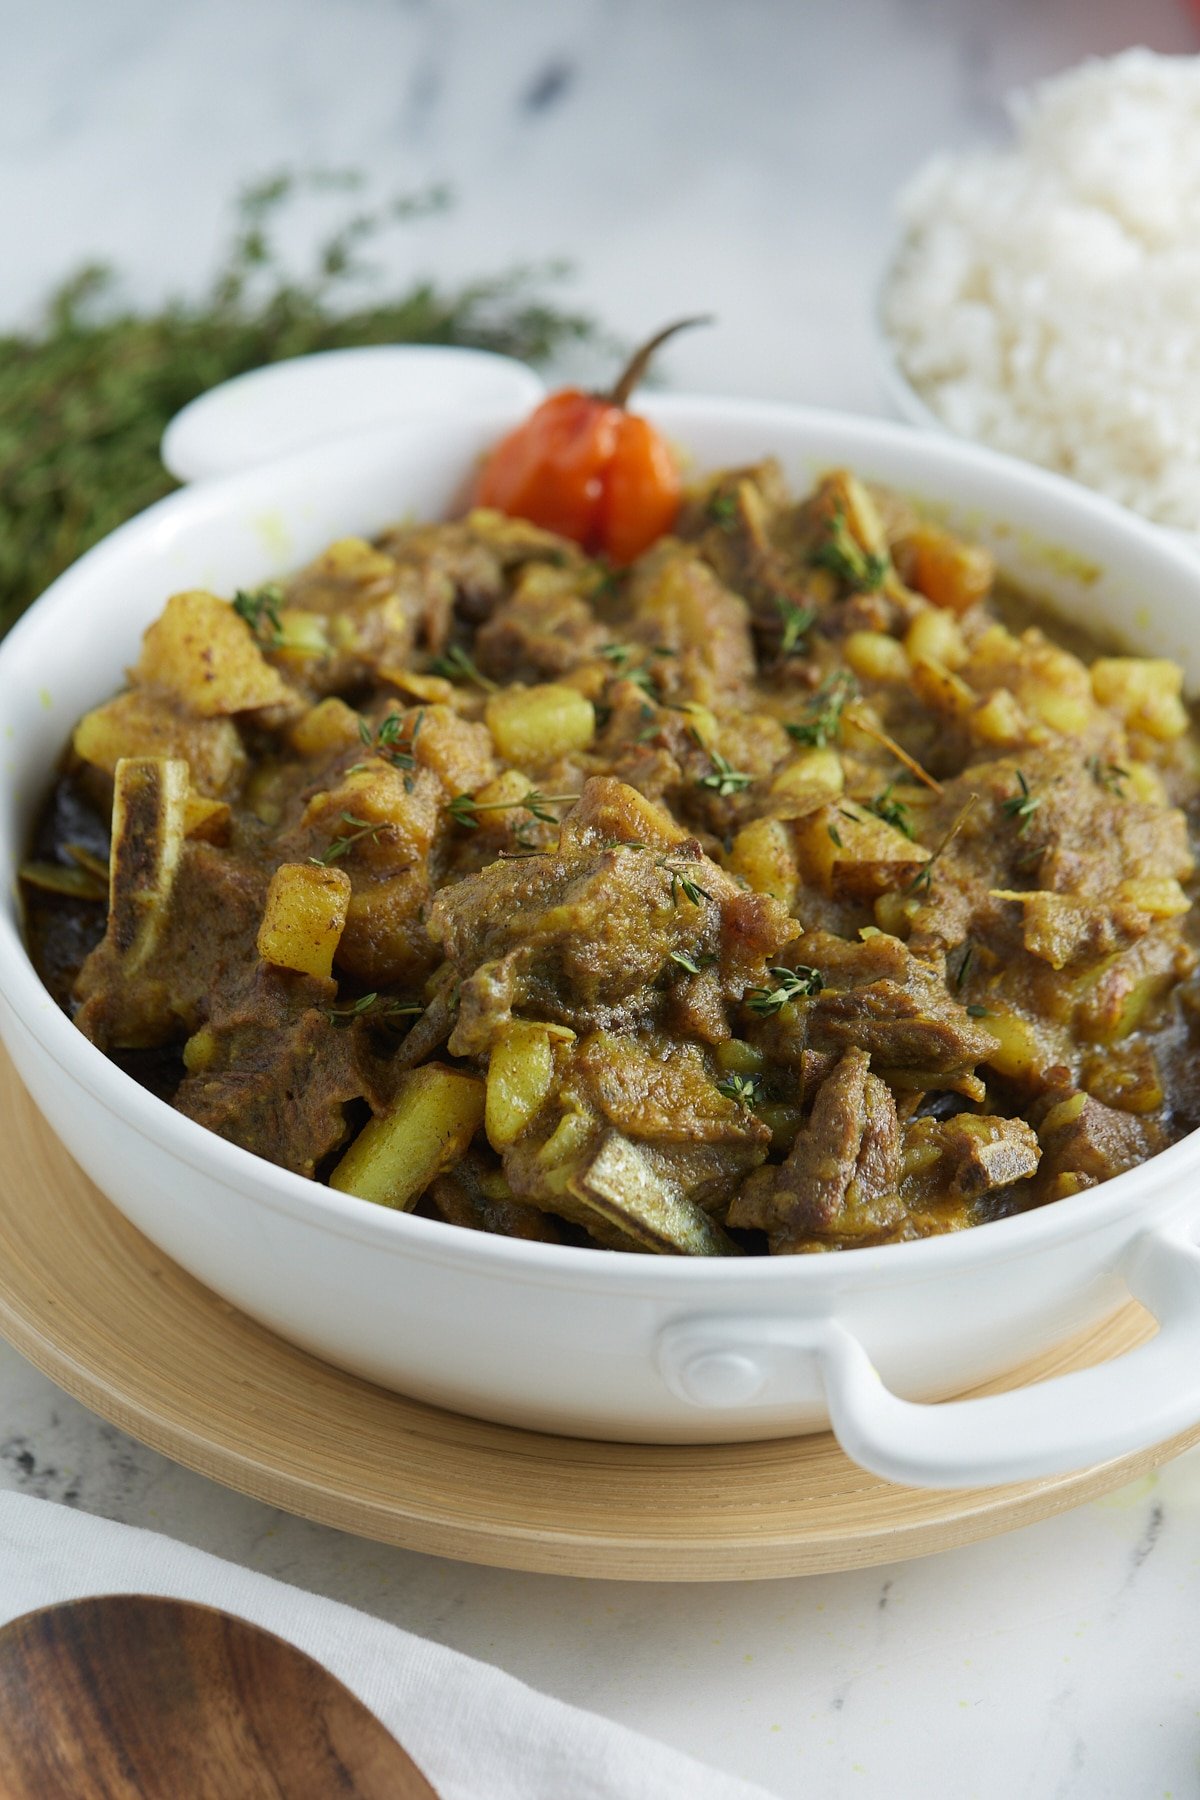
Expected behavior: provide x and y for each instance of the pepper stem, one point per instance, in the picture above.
(635, 368)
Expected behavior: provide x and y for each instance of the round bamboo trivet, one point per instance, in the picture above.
(94, 1305)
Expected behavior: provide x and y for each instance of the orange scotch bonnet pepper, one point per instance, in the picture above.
(581, 465)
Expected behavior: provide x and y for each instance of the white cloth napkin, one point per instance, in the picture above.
(477, 1733)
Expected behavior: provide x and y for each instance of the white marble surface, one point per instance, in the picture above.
(682, 153)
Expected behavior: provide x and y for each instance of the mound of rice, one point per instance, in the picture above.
(1046, 296)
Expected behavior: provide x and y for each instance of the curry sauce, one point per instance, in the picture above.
(772, 894)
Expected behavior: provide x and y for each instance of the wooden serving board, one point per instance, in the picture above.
(94, 1305)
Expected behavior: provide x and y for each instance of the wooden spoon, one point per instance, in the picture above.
(128, 1697)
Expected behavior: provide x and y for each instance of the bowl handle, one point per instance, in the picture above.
(1068, 1422)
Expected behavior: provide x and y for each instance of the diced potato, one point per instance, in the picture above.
(762, 854)
(1161, 896)
(436, 1113)
(536, 725)
(519, 1078)
(853, 854)
(703, 723)
(302, 634)
(1065, 1113)
(1126, 1078)
(944, 692)
(934, 636)
(1070, 714)
(1145, 783)
(1016, 1054)
(142, 724)
(434, 689)
(736, 1057)
(394, 824)
(816, 771)
(200, 1051)
(500, 803)
(208, 820)
(1119, 1004)
(1144, 691)
(874, 656)
(947, 572)
(304, 918)
(459, 751)
(999, 721)
(326, 728)
(202, 653)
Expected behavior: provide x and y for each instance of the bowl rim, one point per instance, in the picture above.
(29, 1011)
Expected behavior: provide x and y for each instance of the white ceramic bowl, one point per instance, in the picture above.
(583, 1341)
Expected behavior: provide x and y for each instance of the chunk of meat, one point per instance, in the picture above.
(546, 629)
(842, 1175)
(1084, 1142)
(586, 936)
(268, 1074)
(878, 996)
(966, 1157)
(206, 933)
(660, 1091)
(677, 602)
(472, 1195)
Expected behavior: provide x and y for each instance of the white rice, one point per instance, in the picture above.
(1046, 296)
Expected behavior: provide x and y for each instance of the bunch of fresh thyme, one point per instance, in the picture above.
(85, 396)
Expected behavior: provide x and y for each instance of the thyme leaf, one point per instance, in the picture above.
(798, 621)
(464, 809)
(1022, 805)
(362, 828)
(725, 779)
(87, 391)
(789, 984)
(841, 553)
(456, 665)
(260, 609)
(892, 812)
(745, 1089)
(378, 1006)
(824, 710)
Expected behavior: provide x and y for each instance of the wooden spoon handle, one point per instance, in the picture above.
(129, 1697)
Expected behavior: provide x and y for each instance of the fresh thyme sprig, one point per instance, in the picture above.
(892, 812)
(1109, 776)
(260, 609)
(798, 621)
(1022, 805)
(922, 881)
(824, 709)
(682, 883)
(841, 553)
(86, 393)
(464, 809)
(378, 1006)
(968, 957)
(745, 1089)
(722, 509)
(725, 779)
(456, 665)
(362, 828)
(395, 741)
(790, 984)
